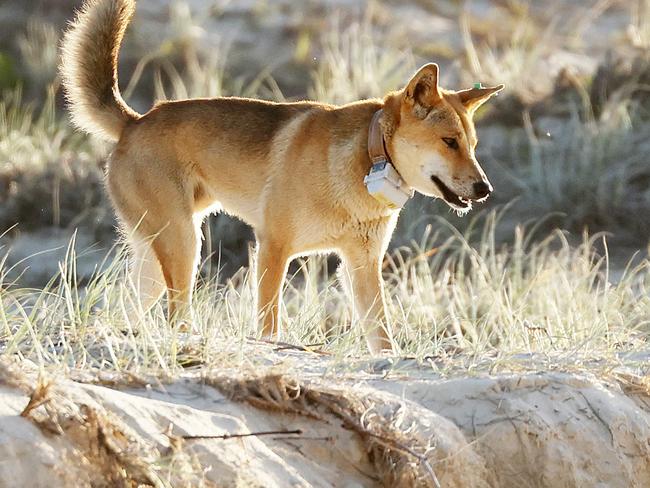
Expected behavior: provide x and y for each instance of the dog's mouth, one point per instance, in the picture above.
(450, 197)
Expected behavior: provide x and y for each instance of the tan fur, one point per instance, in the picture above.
(293, 171)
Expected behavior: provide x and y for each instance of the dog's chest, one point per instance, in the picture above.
(329, 231)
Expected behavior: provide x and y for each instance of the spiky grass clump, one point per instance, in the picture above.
(520, 62)
(49, 174)
(38, 47)
(355, 67)
(33, 138)
(445, 295)
(528, 297)
(593, 172)
(639, 28)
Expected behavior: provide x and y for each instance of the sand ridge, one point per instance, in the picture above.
(309, 428)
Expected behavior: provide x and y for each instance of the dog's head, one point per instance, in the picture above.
(431, 139)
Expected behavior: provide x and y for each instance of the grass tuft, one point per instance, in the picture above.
(355, 66)
(49, 173)
(445, 296)
(39, 53)
(592, 172)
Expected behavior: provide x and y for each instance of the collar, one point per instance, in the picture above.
(376, 142)
(383, 181)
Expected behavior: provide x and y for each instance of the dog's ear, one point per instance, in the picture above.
(422, 91)
(475, 97)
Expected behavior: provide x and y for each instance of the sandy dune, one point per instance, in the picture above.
(372, 424)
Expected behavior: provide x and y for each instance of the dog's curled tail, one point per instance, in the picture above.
(89, 53)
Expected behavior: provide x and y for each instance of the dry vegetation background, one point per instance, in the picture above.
(522, 329)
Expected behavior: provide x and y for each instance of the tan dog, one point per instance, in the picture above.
(293, 171)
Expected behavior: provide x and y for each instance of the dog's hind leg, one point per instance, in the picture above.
(160, 207)
(178, 249)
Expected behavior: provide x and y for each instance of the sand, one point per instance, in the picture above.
(303, 421)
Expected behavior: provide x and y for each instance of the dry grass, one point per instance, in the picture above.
(354, 66)
(445, 296)
(38, 48)
(49, 174)
(639, 28)
(593, 172)
(520, 63)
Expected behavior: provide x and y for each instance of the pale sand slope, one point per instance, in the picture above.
(402, 426)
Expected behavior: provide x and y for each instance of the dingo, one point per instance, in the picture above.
(301, 174)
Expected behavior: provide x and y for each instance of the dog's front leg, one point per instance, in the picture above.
(272, 261)
(362, 271)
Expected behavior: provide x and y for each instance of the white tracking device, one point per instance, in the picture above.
(386, 185)
(383, 181)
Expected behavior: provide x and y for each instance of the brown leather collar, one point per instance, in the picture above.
(376, 143)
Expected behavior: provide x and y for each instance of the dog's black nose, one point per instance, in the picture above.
(482, 189)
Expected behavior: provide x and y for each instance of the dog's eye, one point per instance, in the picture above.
(451, 142)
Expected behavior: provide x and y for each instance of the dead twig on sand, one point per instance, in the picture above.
(239, 436)
(284, 346)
